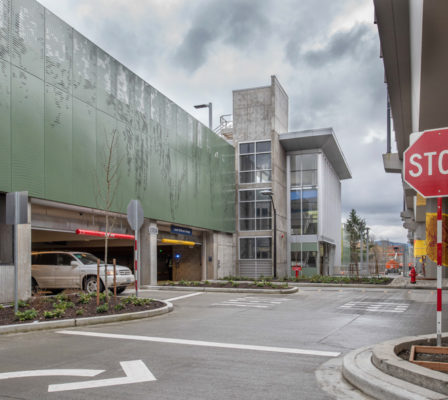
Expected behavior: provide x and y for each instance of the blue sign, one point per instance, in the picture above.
(181, 231)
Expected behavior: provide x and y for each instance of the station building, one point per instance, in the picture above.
(413, 36)
(300, 217)
(76, 122)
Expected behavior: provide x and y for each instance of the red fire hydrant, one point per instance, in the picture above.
(413, 275)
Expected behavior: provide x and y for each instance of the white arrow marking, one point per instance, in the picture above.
(136, 371)
(51, 372)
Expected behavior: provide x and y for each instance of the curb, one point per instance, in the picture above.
(229, 290)
(361, 285)
(385, 359)
(358, 369)
(69, 323)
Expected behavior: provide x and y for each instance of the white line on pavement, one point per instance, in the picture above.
(185, 296)
(239, 305)
(51, 372)
(203, 344)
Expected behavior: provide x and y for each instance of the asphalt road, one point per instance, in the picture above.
(214, 346)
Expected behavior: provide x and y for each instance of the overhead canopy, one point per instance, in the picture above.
(323, 139)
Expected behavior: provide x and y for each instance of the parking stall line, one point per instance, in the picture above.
(203, 343)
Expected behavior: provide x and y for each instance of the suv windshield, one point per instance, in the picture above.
(87, 258)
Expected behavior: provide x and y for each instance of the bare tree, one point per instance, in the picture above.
(107, 184)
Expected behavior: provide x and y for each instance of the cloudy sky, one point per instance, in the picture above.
(324, 52)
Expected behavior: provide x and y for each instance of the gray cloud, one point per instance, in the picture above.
(349, 43)
(240, 23)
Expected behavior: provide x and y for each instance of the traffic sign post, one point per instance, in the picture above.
(135, 219)
(425, 167)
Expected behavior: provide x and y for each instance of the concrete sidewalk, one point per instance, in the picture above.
(405, 283)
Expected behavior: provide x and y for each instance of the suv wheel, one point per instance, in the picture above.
(90, 285)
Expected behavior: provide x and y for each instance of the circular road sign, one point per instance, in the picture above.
(425, 164)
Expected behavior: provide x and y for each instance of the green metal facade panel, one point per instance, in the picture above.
(5, 29)
(62, 99)
(83, 153)
(27, 133)
(5, 130)
(27, 36)
(58, 144)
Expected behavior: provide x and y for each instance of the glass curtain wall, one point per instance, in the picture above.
(304, 212)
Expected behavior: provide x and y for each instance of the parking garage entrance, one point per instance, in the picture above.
(176, 263)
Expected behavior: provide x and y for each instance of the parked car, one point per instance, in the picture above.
(57, 270)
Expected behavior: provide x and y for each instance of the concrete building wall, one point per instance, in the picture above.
(261, 114)
(225, 254)
(252, 112)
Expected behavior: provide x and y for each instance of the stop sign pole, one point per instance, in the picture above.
(425, 166)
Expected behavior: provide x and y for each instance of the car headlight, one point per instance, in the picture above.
(110, 272)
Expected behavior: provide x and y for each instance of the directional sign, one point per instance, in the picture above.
(425, 164)
(135, 215)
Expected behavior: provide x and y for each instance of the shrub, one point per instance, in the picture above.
(119, 307)
(80, 312)
(102, 308)
(61, 297)
(26, 315)
(136, 301)
(57, 313)
(22, 304)
(84, 298)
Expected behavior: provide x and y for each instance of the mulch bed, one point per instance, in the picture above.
(75, 308)
(405, 354)
(232, 285)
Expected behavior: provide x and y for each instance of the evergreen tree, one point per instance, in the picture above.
(356, 227)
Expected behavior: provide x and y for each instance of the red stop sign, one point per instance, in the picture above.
(425, 164)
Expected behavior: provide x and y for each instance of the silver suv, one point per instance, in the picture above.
(57, 270)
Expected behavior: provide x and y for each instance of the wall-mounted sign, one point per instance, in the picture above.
(180, 230)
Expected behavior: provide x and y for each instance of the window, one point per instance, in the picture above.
(255, 162)
(304, 170)
(255, 210)
(307, 259)
(304, 211)
(259, 248)
(303, 174)
(64, 259)
(45, 259)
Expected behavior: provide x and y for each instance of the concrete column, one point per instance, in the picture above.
(148, 253)
(204, 256)
(24, 261)
(153, 252)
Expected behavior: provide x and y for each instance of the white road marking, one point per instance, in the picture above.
(239, 305)
(252, 302)
(203, 344)
(136, 371)
(51, 372)
(386, 307)
(185, 296)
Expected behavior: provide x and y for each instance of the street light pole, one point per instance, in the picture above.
(271, 194)
(210, 113)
